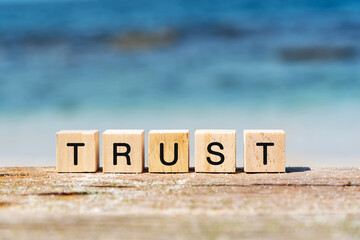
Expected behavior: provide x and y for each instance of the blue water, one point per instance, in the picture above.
(292, 65)
(67, 56)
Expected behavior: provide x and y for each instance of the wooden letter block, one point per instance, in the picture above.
(169, 151)
(215, 151)
(264, 151)
(77, 151)
(123, 151)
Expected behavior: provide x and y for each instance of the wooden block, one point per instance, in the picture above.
(169, 151)
(77, 151)
(264, 151)
(215, 151)
(123, 151)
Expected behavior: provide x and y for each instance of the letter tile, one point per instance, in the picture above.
(264, 151)
(215, 151)
(169, 151)
(123, 151)
(77, 151)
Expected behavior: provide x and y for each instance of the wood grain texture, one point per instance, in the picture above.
(254, 155)
(88, 155)
(227, 139)
(135, 140)
(169, 138)
(39, 203)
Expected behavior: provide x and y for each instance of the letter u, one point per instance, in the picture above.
(176, 154)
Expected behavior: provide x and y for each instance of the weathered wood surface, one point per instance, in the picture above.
(38, 203)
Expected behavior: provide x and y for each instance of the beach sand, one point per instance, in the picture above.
(38, 203)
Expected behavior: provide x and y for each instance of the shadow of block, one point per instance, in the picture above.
(297, 169)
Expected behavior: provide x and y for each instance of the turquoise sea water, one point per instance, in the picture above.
(181, 64)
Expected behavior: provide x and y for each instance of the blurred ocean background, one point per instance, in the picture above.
(177, 64)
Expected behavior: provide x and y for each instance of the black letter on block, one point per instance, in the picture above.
(222, 158)
(265, 150)
(126, 154)
(75, 145)
(162, 155)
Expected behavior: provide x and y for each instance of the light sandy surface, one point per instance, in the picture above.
(38, 203)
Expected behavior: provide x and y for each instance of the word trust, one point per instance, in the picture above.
(168, 151)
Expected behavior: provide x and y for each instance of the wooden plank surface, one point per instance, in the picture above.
(38, 203)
